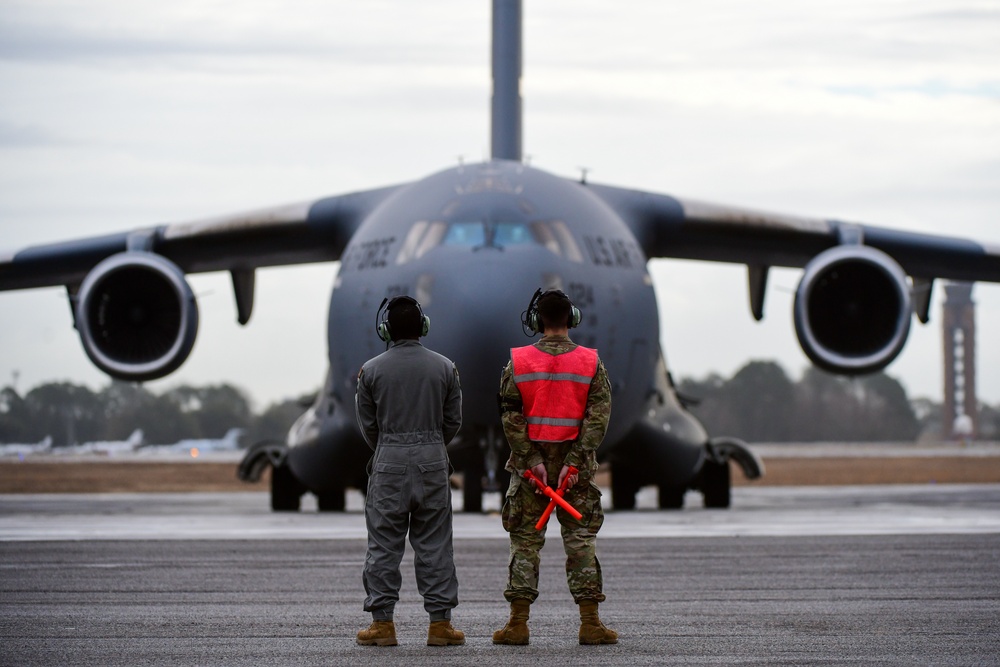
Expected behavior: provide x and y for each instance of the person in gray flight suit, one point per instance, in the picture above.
(409, 407)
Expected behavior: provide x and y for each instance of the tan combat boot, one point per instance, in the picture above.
(442, 634)
(379, 633)
(592, 631)
(516, 630)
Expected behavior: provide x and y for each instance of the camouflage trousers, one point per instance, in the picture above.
(521, 510)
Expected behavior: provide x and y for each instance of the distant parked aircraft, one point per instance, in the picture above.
(105, 447)
(231, 441)
(22, 450)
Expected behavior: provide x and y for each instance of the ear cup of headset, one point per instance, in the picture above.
(383, 331)
(575, 317)
(425, 323)
(534, 322)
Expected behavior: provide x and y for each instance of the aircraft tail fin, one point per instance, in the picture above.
(137, 439)
(506, 101)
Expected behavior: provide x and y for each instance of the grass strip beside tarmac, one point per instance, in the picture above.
(103, 476)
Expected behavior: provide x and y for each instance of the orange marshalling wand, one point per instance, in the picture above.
(561, 491)
(553, 496)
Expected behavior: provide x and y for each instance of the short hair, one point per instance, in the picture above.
(404, 320)
(554, 309)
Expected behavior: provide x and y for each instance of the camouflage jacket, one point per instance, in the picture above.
(525, 453)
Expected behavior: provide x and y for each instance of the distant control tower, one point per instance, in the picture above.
(961, 412)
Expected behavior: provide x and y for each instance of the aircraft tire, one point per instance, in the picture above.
(332, 501)
(670, 497)
(622, 491)
(472, 491)
(716, 484)
(286, 490)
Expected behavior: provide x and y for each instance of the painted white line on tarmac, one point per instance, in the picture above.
(760, 511)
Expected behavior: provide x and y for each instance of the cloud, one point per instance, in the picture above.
(14, 135)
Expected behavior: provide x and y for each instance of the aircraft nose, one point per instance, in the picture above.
(478, 334)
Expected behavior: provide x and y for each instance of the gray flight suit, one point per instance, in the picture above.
(409, 407)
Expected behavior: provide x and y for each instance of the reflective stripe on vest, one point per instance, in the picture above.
(554, 389)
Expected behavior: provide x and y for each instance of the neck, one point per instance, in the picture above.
(556, 331)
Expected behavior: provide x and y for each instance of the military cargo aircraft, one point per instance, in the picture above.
(472, 243)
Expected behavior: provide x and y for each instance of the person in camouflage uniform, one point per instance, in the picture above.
(523, 504)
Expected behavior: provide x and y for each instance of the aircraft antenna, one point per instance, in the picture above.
(506, 101)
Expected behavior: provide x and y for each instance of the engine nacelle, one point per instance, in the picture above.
(137, 316)
(852, 310)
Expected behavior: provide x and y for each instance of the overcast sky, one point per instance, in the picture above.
(118, 114)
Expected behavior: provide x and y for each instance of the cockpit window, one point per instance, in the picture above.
(465, 233)
(424, 236)
(555, 236)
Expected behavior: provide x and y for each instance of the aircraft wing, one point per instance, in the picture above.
(860, 283)
(313, 231)
(686, 229)
(132, 305)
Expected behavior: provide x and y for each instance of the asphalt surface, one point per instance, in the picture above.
(883, 576)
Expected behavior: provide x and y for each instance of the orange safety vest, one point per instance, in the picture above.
(554, 390)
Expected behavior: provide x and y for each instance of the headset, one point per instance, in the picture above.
(382, 317)
(531, 322)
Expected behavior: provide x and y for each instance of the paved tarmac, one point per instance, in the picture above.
(901, 575)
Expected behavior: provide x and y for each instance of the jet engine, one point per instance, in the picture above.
(852, 309)
(137, 316)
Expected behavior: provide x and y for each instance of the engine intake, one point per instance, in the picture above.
(137, 316)
(852, 310)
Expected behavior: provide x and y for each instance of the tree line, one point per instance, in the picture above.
(73, 414)
(760, 403)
